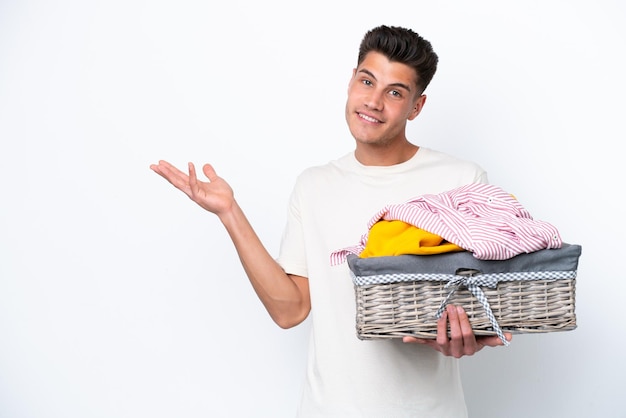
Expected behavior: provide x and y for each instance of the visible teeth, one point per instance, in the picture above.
(367, 118)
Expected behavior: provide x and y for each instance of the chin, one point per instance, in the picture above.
(365, 136)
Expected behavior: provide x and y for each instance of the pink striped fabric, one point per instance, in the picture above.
(481, 218)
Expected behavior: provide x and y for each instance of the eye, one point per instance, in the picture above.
(395, 93)
(366, 82)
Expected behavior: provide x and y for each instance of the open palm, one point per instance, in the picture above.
(214, 195)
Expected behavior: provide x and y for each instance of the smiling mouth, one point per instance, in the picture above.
(368, 118)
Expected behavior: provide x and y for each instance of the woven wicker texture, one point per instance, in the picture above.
(408, 308)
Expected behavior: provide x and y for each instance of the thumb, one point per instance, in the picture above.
(209, 172)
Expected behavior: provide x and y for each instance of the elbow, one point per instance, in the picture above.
(288, 312)
(286, 324)
(287, 321)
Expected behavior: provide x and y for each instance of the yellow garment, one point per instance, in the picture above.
(398, 237)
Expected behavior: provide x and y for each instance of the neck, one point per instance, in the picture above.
(367, 154)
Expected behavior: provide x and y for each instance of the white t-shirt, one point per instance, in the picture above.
(347, 377)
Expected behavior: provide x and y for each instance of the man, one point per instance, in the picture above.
(329, 208)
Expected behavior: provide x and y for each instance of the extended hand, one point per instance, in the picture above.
(462, 341)
(214, 195)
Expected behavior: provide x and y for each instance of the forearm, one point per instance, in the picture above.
(285, 297)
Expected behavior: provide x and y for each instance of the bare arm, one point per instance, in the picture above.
(286, 297)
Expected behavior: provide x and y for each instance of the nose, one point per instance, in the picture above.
(374, 100)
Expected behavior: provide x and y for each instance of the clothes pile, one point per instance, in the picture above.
(480, 218)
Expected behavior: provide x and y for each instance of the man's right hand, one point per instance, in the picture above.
(214, 195)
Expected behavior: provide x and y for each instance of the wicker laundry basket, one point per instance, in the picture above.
(400, 296)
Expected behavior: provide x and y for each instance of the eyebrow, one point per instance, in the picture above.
(402, 85)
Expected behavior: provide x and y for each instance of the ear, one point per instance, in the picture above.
(419, 105)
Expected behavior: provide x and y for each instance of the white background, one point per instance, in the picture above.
(121, 298)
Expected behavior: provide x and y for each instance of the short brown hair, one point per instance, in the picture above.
(404, 46)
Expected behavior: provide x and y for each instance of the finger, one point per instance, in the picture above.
(464, 324)
(193, 179)
(453, 321)
(159, 168)
(430, 342)
(456, 335)
(469, 339)
(209, 172)
(164, 163)
(165, 167)
(415, 340)
(442, 339)
(493, 340)
(173, 175)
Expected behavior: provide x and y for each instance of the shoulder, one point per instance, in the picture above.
(449, 165)
(440, 156)
(328, 170)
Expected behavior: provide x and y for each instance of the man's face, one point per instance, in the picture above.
(382, 96)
